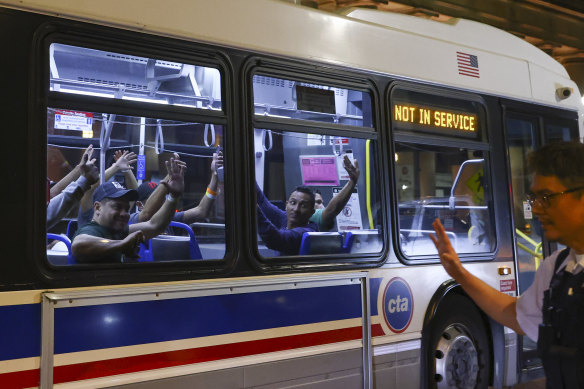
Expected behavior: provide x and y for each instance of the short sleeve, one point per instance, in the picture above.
(530, 303)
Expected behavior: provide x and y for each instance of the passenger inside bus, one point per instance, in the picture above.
(323, 216)
(282, 230)
(151, 197)
(123, 163)
(75, 184)
(108, 237)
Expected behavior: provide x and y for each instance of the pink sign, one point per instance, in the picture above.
(507, 286)
(319, 170)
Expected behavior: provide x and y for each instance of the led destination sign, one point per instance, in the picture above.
(437, 120)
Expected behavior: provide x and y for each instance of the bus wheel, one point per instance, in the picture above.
(458, 353)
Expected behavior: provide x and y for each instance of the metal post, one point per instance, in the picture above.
(47, 342)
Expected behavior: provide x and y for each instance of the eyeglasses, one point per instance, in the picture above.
(544, 201)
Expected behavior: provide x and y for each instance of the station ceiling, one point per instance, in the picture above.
(555, 26)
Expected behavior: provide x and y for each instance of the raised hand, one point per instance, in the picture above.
(176, 177)
(87, 166)
(179, 161)
(448, 256)
(217, 162)
(124, 159)
(131, 244)
(352, 170)
(86, 156)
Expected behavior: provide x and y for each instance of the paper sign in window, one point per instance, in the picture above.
(319, 170)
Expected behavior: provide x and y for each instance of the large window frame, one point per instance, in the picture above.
(339, 79)
(440, 138)
(130, 43)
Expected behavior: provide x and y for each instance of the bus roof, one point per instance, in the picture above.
(376, 41)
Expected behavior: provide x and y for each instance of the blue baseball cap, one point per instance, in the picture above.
(114, 190)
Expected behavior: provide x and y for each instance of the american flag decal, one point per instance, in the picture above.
(468, 64)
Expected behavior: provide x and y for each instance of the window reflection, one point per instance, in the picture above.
(446, 183)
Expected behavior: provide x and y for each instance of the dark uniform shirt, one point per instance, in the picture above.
(94, 229)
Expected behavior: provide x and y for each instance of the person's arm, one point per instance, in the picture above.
(162, 218)
(205, 206)
(126, 168)
(274, 214)
(61, 205)
(156, 199)
(89, 248)
(336, 205)
(123, 163)
(497, 305)
(73, 174)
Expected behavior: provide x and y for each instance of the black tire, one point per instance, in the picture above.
(458, 353)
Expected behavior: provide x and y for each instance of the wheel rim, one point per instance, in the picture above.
(456, 359)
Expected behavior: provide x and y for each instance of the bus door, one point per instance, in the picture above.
(526, 133)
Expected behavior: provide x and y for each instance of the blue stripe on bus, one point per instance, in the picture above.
(374, 284)
(126, 324)
(20, 331)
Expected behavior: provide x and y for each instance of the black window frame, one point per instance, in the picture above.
(132, 43)
(444, 140)
(338, 78)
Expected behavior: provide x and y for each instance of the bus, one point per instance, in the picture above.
(437, 116)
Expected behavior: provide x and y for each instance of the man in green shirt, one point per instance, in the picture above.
(108, 237)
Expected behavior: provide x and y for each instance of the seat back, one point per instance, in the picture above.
(70, 259)
(363, 241)
(321, 243)
(170, 247)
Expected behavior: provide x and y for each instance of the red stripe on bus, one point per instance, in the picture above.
(83, 371)
(20, 379)
(116, 366)
(377, 330)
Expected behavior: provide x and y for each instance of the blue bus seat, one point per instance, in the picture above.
(70, 259)
(167, 247)
(71, 228)
(321, 243)
(362, 241)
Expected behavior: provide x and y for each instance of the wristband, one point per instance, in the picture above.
(125, 170)
(170, 198)
(211, 194)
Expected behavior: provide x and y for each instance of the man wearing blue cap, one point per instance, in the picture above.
(108, 238)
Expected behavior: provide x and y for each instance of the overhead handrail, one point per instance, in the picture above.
(159, 138)
(206, 135)
(104, 142)
(269, 135)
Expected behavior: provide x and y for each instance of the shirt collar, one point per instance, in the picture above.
(575, 263)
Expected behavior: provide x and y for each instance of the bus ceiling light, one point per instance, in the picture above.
(564, 92)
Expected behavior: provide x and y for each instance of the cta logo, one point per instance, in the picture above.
(398, 305)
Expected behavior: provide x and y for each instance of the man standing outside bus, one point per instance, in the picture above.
(551, 310)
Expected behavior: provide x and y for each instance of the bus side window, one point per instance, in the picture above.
(448, 184)
(335, 170)
(197, 230)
